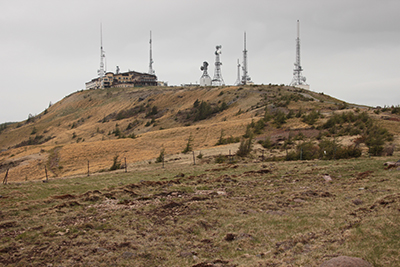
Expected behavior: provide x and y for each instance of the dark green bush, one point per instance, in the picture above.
(311, 118)
(245, 147)
(116, 164)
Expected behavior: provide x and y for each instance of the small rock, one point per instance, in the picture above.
(100, 249)
(185, 254)
(127, 255)
(230, 237)
(357, 202)
(327, 177)
(344, 261)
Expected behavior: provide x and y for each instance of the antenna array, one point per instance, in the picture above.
(151, 70)
(298, 79)
(218, 80)
(102, 70)
(245, 78)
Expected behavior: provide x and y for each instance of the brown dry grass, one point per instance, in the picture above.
(94, 141)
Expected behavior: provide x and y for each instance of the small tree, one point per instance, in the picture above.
(189, 144)
(160, 157)
(375, 140)
(279, 118)
(245, 147)
(116, 164)
(221, 139)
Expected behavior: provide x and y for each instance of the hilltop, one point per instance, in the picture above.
(303, 185)
(98, 127)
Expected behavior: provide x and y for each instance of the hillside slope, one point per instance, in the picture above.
(93, 127)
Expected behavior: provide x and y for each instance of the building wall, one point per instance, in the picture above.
(126, 79)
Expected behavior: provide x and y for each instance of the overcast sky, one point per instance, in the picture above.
(350, 49)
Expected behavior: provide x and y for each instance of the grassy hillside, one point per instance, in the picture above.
(137, 123)
(310, 184)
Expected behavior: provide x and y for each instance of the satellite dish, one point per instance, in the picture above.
(205, 65)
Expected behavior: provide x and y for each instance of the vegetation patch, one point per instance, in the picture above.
(37, 140)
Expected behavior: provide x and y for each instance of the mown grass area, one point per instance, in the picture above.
(249, 213)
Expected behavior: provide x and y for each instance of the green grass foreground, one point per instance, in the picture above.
(242, 214)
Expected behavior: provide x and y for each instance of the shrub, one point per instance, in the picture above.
(116, 164)
(245, 147)
(279, 118)
(266, 143)
(34, 131)
(304, 151)
(311, 118)
(203, 111)
(160, 157)
(152, 112)
(375, 139)
(189, 144)
(220, 159)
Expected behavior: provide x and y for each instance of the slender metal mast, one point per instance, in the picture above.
(298, 78)
(151, 70)
(238, 80)
(101, 71)
(245, 77)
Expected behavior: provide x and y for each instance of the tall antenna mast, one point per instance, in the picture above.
(218, 81)
(245, 78)
(238, 80)
(151, 70)
(298, 79)
(101, 71)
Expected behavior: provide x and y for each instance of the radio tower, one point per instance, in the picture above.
(218, 81)
(238, 80)
(298, 79)
(245, 78)
(101, 71)
(151, 71)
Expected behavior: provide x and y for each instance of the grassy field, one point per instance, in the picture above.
(248, 213)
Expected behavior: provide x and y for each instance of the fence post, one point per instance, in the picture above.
(163, 160)
(45, 169)
(6, 177)
(126, 166)
(88, 168)
(194, 159)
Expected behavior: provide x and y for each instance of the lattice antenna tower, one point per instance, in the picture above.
(238, 80)
(101, 71)
(245, 77)
(151, 70)
(298, 78)
(218, 80)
